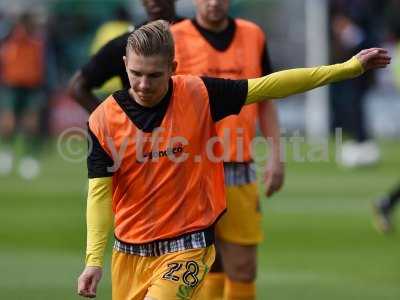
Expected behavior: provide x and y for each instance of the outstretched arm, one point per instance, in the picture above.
(295, 81)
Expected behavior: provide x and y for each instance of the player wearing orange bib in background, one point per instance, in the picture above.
(213, 44)
(23, 81)
(151, 168)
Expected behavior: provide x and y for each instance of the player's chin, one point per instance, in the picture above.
(146, 98)
(216, 17)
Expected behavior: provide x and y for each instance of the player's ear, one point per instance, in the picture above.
(124, 58)
(174, 66)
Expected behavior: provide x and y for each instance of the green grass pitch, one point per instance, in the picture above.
(319, 240)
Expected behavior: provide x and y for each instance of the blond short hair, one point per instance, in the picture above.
(152, 39)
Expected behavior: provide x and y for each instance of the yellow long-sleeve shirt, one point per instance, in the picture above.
(276, 85)
(99, 219)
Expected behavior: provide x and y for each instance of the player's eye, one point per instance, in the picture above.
(155, 75)
(136, 74)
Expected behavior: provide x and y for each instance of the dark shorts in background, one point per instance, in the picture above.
(19, 100)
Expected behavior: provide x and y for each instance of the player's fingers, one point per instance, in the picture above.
(268, 191)
(375, 49)
(268, 184)
(383, 62)
(366, 54)
(373, 60)
(381, 50)
(271, 187)
(372, 54)
(279, 183)
(87, 294)
(84, 294)
(367, 51)
(380, 63)
(383, 56)
(271, 191)
(276, 184)
(84, 286)
(83, 291)
(93, 287)
(379, 56)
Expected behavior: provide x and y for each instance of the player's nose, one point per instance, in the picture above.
(144, 83)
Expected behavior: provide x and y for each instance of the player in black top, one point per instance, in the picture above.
(107, 62)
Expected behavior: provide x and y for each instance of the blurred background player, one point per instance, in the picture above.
(22, 94)
(213, 44)
(119, 25)
(353, 28)
(107, 62)
(111, 29)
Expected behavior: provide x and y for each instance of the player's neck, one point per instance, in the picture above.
(170, 17)
(213, 26)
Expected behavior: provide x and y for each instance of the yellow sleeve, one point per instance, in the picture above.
(295, 81)
(99, 219)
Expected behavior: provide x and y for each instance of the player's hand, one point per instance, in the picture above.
(373, 58)
(88, 281)
(274, 176)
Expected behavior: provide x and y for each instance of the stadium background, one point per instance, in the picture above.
(320, 243)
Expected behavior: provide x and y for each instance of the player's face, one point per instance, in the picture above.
(148, 76)
(159, 9)
(212, 11)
